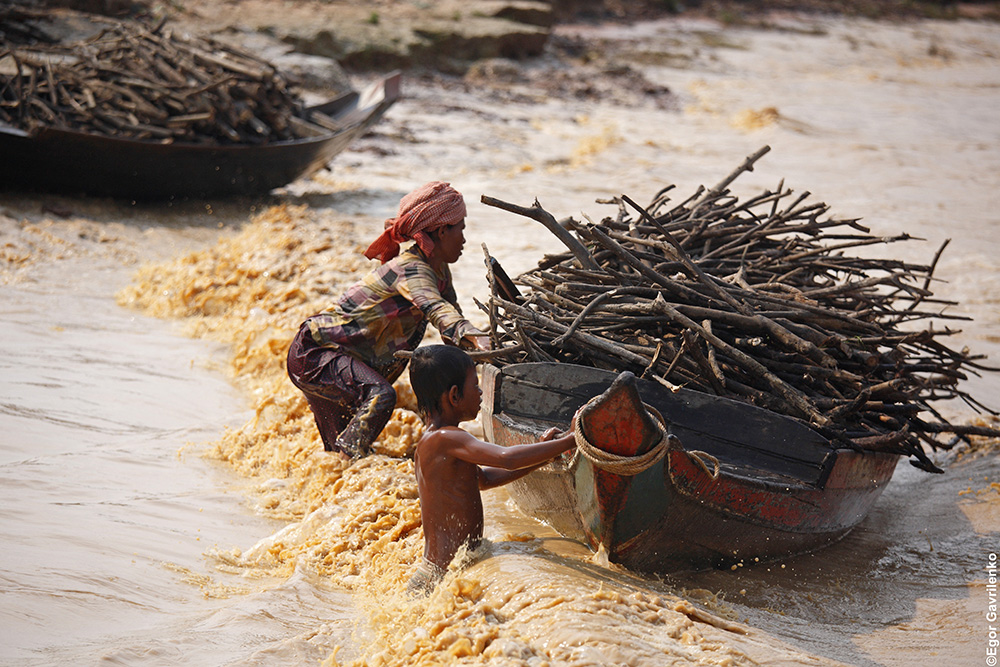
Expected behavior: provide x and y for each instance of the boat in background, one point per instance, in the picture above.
(716, 483)
(70, 162)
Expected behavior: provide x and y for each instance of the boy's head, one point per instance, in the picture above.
(434, 370)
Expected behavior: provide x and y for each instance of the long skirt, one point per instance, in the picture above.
(350, 401)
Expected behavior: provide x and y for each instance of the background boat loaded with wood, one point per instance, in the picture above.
(140, 81)
(137, 110)
(762, 300)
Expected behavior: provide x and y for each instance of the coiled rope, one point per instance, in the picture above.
(633, 465)
(622, 465)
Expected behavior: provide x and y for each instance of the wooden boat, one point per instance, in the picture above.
(70, 162)
(736, 484)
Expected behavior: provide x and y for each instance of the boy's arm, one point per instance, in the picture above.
(492, 477)
(514, 459)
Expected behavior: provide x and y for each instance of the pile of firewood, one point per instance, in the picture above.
(145, 82)
(760, 300)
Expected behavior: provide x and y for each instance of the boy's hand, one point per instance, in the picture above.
(554, 433)
(551, 434)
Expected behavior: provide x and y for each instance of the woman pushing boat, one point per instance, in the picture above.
(344, 359)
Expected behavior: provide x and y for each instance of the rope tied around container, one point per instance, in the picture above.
(615, 463)
(633, 465)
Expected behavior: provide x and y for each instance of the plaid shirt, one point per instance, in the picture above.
(389, 309)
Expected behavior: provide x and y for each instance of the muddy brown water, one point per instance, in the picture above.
(108, 510)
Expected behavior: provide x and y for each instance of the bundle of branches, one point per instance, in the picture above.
(137, 81)
(759, 300)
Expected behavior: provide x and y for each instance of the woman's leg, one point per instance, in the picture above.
(373, 411)
(349, 400)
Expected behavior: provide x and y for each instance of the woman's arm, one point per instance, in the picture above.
(419, 285)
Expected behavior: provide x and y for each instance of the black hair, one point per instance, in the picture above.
(434, 370)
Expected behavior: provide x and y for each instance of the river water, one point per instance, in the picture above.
(163, 503)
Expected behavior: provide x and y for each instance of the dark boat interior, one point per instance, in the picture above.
(748, 441)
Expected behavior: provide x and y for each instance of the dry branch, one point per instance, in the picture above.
(145, 82)
(755, 300)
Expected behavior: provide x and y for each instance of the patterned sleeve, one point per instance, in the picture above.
(419, 285)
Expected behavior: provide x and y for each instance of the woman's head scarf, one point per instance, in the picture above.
(427, 208)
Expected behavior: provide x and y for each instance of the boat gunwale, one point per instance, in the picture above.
(820, 467)
(734, 470)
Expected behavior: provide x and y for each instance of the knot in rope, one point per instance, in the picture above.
(699, 458)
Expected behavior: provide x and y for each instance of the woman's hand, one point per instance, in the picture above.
(477, 343)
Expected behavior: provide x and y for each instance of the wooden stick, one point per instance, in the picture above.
(537, 213)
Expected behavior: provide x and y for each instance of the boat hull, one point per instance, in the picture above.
(69, 162)
(675, 515)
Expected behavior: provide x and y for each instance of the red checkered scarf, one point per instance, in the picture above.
(427, 208)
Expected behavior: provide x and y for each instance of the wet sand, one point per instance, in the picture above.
(110, 509)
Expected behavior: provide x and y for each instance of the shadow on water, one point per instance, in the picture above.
(179, 213)
(210, 214)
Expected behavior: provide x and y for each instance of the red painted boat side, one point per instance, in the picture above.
(618, 424)
(674, 516)
(857, 479)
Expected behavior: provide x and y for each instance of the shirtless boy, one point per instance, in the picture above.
(452, 466)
